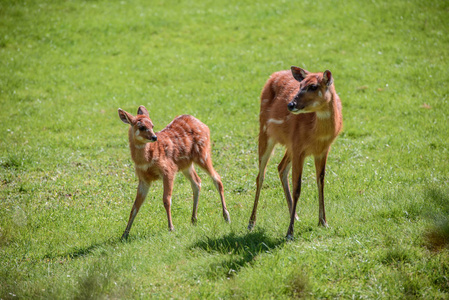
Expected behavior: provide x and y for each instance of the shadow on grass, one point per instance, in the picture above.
(437, 235)
(78, 252)
(99, 282)
(242, 250)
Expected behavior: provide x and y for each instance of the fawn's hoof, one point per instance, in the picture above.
(124, 236)
(226, 216)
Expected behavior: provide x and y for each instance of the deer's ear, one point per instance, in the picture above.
(298, 73)
(143, 111)
(125, 116)
(327, 77)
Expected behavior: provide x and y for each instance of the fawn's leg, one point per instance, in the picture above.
(208, 167)
(168, 190)
(195, 182)
(142, 191)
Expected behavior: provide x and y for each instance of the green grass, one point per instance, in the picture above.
(67, 182)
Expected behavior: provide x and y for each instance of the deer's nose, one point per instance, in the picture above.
(291, 106)
(154, 138)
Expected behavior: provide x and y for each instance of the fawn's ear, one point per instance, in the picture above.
(298, 73)
(143, 111)
(125, 116)
(327, 77)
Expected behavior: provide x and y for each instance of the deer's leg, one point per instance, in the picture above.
(320, 166)
(209, 168)
(266, 147)
(195, 182)
(142, 191)
(284, 168)
(168, 190)
(298, 163)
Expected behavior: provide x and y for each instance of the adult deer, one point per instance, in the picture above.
(184, 141)
(301, 111)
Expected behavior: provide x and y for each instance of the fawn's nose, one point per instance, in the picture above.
(154, 138)
(291, 106)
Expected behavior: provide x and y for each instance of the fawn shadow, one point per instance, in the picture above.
(242, 249)
(81, 251)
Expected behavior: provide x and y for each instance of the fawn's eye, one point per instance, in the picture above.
(142, 128)
(312, 87)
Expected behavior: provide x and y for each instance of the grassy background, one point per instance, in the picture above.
(67, 179)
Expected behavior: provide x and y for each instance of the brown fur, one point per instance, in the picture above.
(185, 141)
(302, 111)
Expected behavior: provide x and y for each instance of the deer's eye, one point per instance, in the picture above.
(142, 128)
(312, 88)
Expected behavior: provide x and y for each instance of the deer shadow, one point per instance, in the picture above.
(242, 250)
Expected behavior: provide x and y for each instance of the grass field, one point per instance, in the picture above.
(68, 183)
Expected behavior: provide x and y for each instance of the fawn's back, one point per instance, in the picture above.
(183, 141)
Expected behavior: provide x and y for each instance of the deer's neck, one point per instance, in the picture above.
(329, 119)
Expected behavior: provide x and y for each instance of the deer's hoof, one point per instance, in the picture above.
(289, 237)
(251, 225)
(323, 223)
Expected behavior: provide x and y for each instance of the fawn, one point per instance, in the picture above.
(184, 141)
(302, 111)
